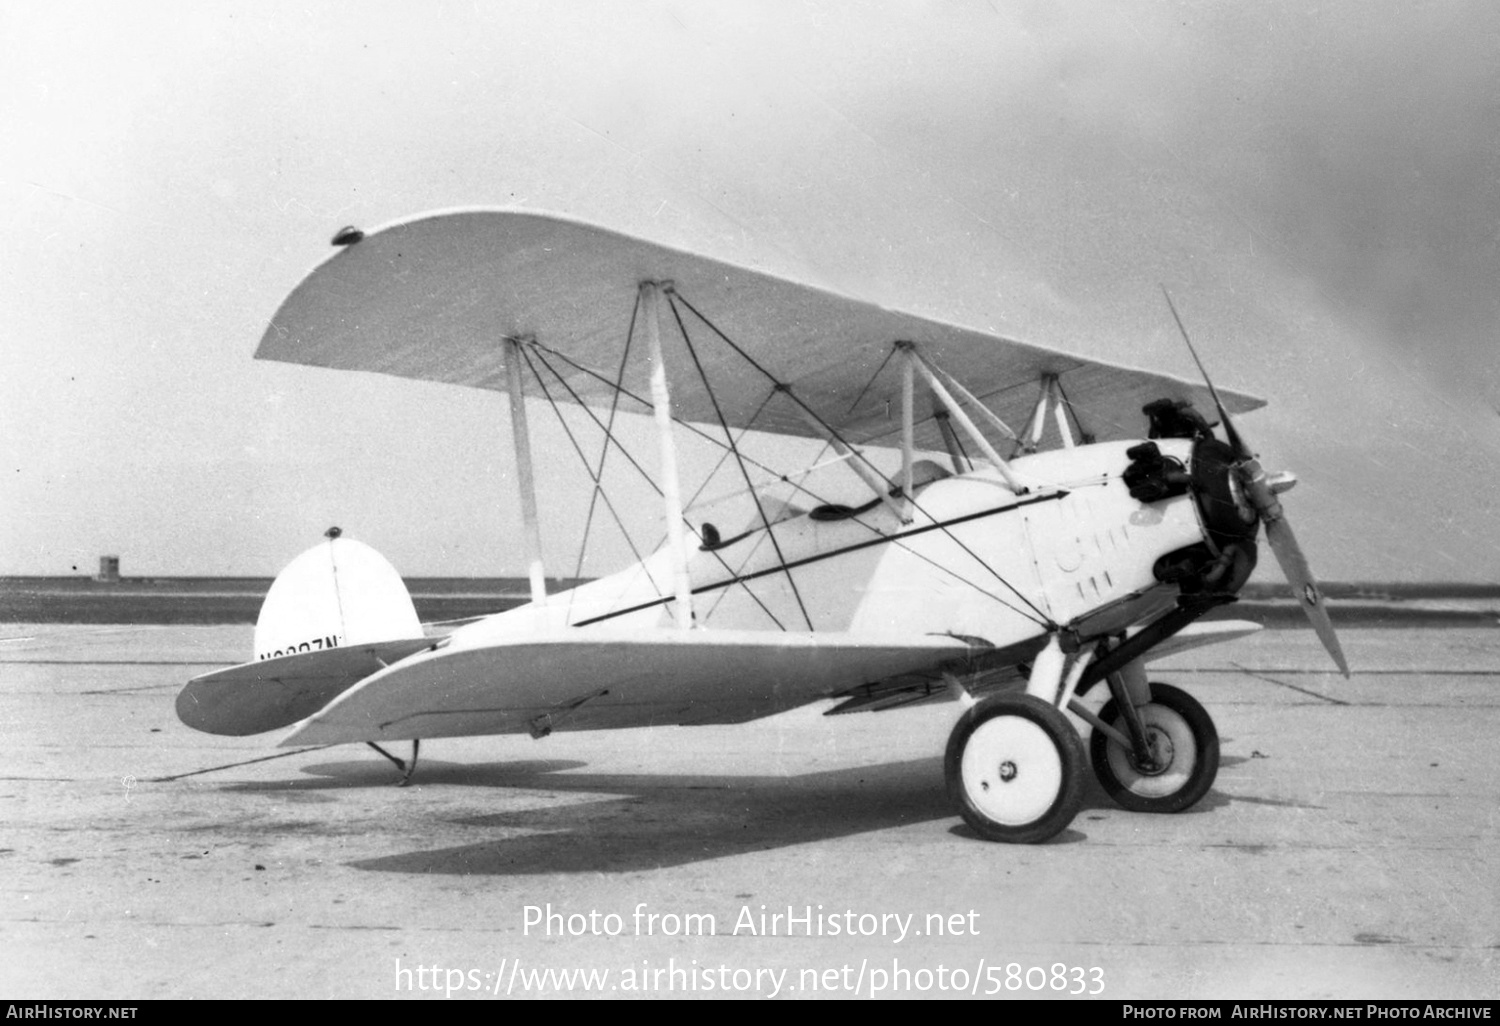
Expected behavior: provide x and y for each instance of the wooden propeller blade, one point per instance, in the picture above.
(1240, 448)
(1304, 586)
(1278, 531)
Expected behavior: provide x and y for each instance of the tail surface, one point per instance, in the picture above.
(338, 613)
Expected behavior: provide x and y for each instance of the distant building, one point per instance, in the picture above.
(109, 568)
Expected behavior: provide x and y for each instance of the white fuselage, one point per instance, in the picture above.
(977, 560)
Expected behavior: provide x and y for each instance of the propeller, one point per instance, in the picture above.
(1261, 490)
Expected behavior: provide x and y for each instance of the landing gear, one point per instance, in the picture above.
(1015, 769)
(1015, 764)
(1184, 749)
(407, 766)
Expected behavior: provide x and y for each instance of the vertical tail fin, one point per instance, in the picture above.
(340, 592)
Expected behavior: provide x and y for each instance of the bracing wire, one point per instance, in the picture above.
(780, 477)
(633, 462)
(614, 405)
(547, 393)
(1042, 618)
(1083, 432)
(1036, 614)
(745, 474)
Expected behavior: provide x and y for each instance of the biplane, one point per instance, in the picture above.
(1006, 570)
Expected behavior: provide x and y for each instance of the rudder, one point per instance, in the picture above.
(338, 593)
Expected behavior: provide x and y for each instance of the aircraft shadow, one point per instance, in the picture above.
(652, 822)
(376, 772)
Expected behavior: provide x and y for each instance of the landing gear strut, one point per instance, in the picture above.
(1015, 765)
(1184, 753)
(407, 767)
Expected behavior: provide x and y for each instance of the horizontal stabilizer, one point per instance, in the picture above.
(272, 693)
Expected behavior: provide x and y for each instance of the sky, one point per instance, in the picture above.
(1318, 185)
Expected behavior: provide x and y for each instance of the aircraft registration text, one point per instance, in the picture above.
(312, 645)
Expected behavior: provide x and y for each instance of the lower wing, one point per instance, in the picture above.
(1002, 670)
(590, 680)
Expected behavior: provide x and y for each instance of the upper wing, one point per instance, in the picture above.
(433, 298)
(595, 679)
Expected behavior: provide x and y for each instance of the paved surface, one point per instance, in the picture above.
(1351, 846)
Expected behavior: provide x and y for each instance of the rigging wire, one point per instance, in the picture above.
(708, 614)
(1043, 618)
(592, 416)
(888, 357)
(722, 562)
(724, 456)
(958, 441)
(877, 540)
(608, 437)
(1036, 615)
(1083, 433)
(547, 393)
(729, 437)
(614, 405)
(780, 477)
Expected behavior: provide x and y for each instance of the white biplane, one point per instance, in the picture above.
(1009, 583)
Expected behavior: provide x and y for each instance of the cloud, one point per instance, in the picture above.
(1316, 185)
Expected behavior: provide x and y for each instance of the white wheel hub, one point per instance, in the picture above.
(1011, 770)
(1173, 746)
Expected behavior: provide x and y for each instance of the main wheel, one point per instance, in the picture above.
(1015, 769)
(1183, 741)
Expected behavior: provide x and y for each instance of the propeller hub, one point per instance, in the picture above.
(1283, 482)
(1242, 504)
(1257, 485)
(1225, 493)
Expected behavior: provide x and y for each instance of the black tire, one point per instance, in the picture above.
(1182, 732)
(1022, 780)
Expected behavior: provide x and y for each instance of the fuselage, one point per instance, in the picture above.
(977, 559)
